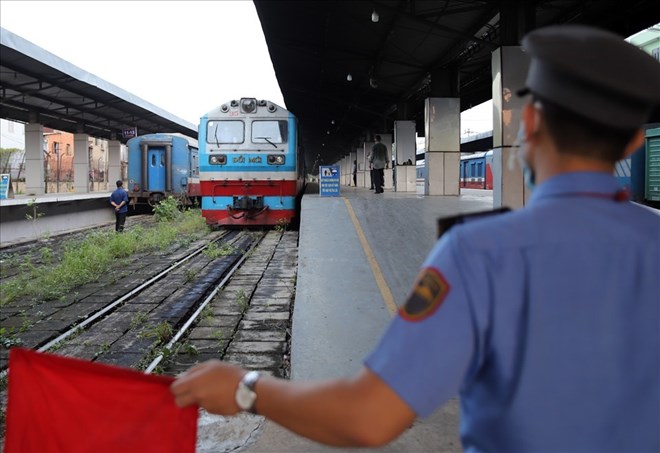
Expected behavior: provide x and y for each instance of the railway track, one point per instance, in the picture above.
(183, 309)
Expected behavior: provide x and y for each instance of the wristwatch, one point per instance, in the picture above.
(245, 396)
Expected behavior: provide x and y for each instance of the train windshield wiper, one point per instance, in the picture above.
(215, 133)
(267, 139)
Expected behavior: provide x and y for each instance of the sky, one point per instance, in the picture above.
(213, 51)
(186, 57)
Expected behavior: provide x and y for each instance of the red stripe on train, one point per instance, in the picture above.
(247, 218)
(232, 188)
(193, 189)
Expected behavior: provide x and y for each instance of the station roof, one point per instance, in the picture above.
(33, 82)
(315, 44)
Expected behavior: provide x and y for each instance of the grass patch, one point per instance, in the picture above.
(96, 256)
(161, 332)
(214, 250)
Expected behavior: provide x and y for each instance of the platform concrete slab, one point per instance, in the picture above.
(339, 313)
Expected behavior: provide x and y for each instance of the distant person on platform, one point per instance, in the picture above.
(355, 173)
(371, 171)
(543, 320)
(378, 161)
(119, 201)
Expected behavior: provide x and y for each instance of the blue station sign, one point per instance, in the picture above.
(329, 180)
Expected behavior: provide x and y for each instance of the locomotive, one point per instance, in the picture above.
(163, 165)
(251, 170)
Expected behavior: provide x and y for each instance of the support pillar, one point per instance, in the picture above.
(114, 163)
(509, 66)
(363, 167)
(406, 148)
(367, 172)
(442, 146)
(81, 163)
(34, 159)
(385, 139)
(352, 157)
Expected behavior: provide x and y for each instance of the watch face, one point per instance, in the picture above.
(245, 397)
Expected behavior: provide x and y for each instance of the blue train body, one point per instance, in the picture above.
(162, 165)
(639, 174)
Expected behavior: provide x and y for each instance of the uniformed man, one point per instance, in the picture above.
(544, 320)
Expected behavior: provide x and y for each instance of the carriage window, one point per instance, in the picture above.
(225, 132)
(272, 131)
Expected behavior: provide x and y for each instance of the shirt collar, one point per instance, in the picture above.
(596, 184)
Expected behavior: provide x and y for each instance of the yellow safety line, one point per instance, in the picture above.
(375, 268)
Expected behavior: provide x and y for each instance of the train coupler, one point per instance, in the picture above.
(246, 203)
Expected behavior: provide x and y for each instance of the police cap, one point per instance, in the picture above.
(593, 73)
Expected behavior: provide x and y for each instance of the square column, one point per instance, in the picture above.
(351, 157)
(367, 173)
(114, 162)
(442, 122)
(386, 139)
(360, 156)
(406, 149)
(404, 141)
(34, 159)
(509, 70)
(81, 163)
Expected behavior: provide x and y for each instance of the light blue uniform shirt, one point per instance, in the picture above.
(549, 329)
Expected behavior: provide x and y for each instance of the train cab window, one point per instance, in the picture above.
(271, 131)
(225, 132)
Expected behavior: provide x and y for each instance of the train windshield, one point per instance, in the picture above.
(218, 132)
(271, 131)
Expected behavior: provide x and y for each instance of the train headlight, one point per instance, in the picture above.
(248, 105)
(276, 159)
(218, 159)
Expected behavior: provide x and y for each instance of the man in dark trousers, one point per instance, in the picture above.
(543, 320)
(119, 201)
(378, 160)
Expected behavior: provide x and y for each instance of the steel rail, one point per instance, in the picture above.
(125, 297)
(154, 363)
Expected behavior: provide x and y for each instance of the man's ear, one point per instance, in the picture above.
(635, 142)
(532, 119)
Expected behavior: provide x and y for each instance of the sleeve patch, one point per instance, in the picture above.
(428, 293)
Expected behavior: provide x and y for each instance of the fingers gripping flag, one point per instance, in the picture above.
(60, 404)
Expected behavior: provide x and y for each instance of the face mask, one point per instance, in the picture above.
(528, 173)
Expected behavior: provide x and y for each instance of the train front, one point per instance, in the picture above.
(248, 164)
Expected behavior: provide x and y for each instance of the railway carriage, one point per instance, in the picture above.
(476, 170)
(162, 165)
(251, 170)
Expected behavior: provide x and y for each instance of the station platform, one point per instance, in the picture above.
(359, 255)
(28, 217)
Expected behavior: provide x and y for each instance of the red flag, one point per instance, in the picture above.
(60, 404)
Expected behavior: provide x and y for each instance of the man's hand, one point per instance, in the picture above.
(211, 385)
